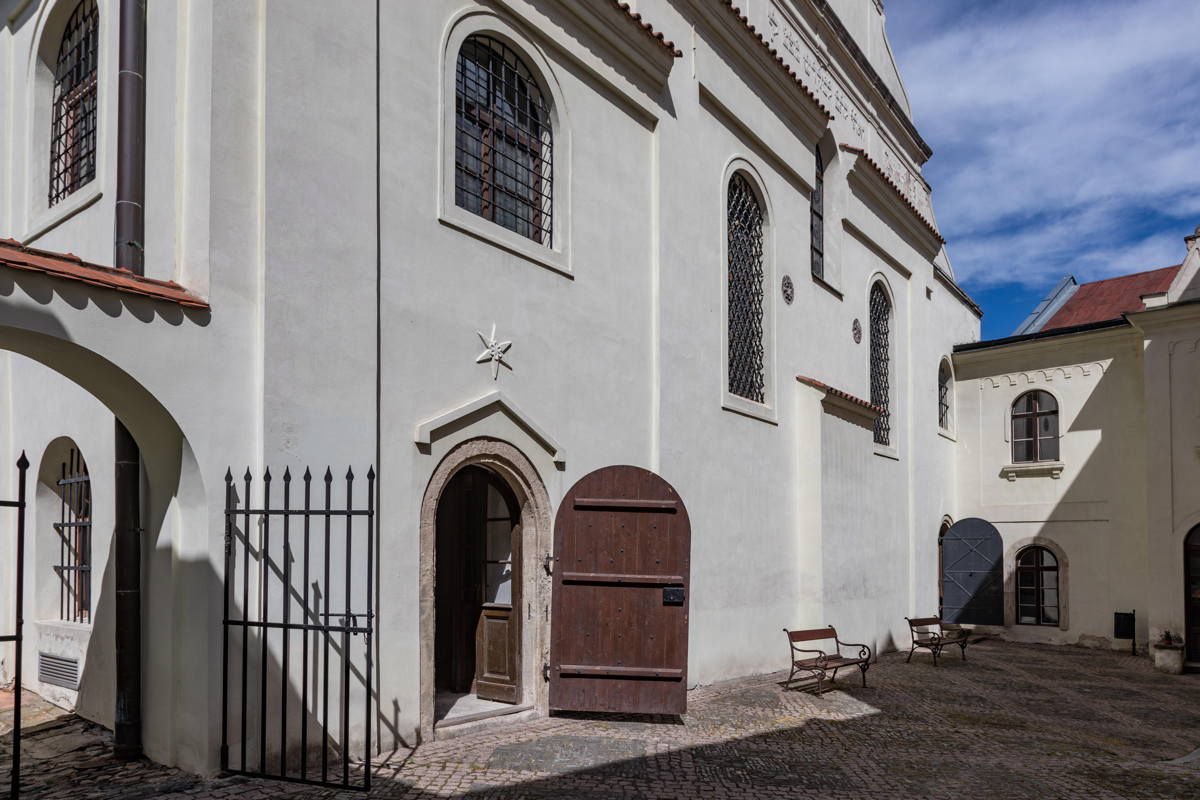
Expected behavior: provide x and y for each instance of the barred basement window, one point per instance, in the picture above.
(74, 530)
(745, 275)
(1037, 587)
(945, 387)
(881, 362)
(503, 155)
(817, 219)
(1035, 428)
(73, 125)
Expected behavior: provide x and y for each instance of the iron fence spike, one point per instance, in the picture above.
(349, 473)
(307, 475)
(248, 476)
(22, 462)
(267, 474)
(229, 474)
(287, 473)
(328, 475)
(371, 473)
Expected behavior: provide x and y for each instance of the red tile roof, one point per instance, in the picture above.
(865, 156)
(1100, 301)
(749, 26)
(72, 267)
(827, 389)
(648, 28)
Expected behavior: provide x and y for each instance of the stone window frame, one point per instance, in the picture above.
(1010, 581)
(767, 410)
(557, 254)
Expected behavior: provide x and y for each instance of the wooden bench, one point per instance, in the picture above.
(935, 635)
(820, 663)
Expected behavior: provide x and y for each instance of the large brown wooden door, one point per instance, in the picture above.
(619, 626)
(478, 636)
(1191, 555)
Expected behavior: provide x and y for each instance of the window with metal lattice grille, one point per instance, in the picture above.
(73, 121)
(503, 157)
(945, 386)
(817, 219)
(745, 286)
(74, 533)
(881, 362)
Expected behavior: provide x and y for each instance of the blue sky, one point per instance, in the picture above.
(1066, 137)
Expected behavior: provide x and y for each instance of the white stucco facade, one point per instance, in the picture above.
(300, 180)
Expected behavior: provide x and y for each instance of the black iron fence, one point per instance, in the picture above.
(298, 617)
(18, 622)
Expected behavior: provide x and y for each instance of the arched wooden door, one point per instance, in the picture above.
(1191, 555)
(973, 573)
(619, 630)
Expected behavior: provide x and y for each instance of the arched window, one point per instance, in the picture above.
(1035, 427)
(945, 394)
(881, 361)
(503, 156)
(73, 122)
(745, 252)
(817, 218)
(74, 534)
(1037, 587)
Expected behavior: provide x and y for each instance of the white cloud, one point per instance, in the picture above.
(1066, 133)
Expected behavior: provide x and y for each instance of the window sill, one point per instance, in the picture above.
(887, 451)
(63, 625)
(557, 260)
(1036, 469)
(749, 408)
(60, 212)
(826, 285)
(945, 434)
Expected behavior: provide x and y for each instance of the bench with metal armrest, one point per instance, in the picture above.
(934, 635)
(824, 663)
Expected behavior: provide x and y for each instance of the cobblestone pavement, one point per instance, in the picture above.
(1014, 721)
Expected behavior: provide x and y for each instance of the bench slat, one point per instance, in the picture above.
(812, 635)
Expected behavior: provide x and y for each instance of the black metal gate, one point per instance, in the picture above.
(972, 573)
(19, 621)
(298, 616)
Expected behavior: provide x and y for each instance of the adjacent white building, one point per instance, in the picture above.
(519, 240)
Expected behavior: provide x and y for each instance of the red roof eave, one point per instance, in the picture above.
(71, 267)
(749, 26)
(861, 153)
(829, 390)
(648, 29)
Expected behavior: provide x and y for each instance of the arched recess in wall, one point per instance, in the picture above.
(174, 504)
(1063, 574)
(521, 478)
(63, 538)
(947, 522)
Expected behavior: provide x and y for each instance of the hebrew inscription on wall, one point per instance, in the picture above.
(784, 37)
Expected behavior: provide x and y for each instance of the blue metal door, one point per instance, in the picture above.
(972, 573)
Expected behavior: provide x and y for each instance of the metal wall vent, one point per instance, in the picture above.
(58, 670)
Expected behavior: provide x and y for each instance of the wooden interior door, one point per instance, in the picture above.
(619, 626)
(477, 646)
(1191, 554)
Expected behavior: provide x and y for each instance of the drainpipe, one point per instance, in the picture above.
(129, 228)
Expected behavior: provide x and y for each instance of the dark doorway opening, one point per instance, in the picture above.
(477, 644)
(1191, 556)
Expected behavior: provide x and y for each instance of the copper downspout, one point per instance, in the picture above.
(129, 228)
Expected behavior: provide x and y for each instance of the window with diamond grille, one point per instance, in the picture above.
(503, 155)
(73, 121)
(881, 362)
(817, 219)
(1035, 428)
(1037, 587)
(74, 533)
(945, 386)
(745, 276)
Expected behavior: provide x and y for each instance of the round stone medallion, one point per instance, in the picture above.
(789, 290)
(856, 329)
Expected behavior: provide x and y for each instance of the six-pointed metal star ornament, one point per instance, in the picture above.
(493, 351)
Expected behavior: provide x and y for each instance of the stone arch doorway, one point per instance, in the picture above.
(484, 623)
(1191, 566)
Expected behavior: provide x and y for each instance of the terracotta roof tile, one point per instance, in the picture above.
(858, 151)
(1100, 301)
(72, 267)
(816, 384)
(636, 18)
(737, 12)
